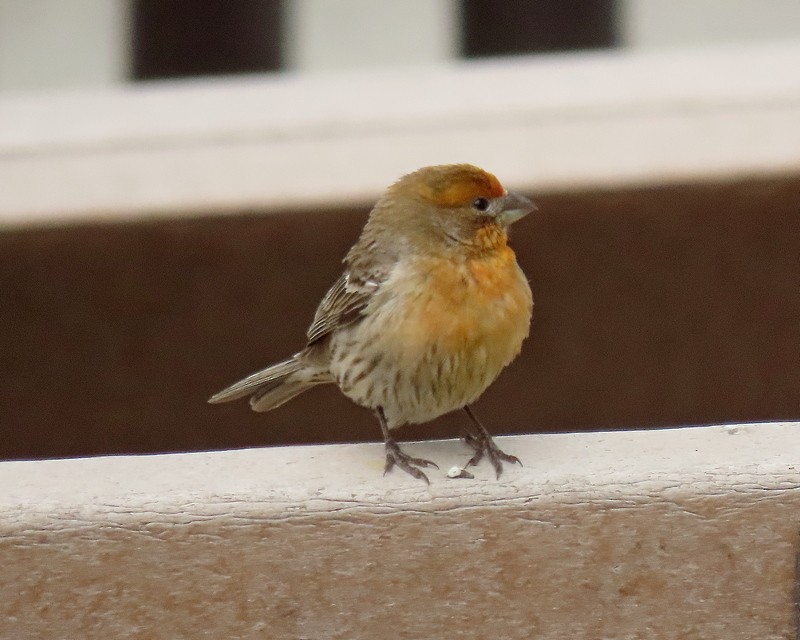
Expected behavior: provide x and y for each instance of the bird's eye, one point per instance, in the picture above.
(481, 204)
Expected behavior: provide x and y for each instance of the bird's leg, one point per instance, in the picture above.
(483, 445)
(395, 456)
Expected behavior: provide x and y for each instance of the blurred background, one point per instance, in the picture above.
(72, 43)
(180, 179)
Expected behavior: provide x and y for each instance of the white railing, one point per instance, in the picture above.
(684, 533)
(557, 122)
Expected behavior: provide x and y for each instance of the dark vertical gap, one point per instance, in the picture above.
(185, 38)
(511, 27)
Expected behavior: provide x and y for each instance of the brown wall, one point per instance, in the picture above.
(654, 307)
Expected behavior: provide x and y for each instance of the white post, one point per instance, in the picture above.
(700, 23)
(53, 44)
(338, 34)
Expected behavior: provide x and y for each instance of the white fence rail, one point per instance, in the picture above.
(297, 141)
(685, 533)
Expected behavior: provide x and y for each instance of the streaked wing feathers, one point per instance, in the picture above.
(341, 305)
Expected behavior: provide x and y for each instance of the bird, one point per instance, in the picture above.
(430, 308)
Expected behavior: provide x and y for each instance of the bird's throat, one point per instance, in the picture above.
(490, 237)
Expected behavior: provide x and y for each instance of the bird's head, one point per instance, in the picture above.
(456, 204)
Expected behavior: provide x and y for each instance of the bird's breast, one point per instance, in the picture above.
(481, 301)
(441, 330)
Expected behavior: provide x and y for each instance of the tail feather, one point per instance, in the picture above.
(270, 380)
(272, 396)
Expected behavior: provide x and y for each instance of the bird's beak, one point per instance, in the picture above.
(515, 206)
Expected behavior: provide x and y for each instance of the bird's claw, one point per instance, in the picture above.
(485, 446)
(395, 456)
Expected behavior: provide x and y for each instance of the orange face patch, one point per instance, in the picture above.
(459, 185)
(491, 237)
(485, 300)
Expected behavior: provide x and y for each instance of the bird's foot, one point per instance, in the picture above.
(483, 445)
(395, 456)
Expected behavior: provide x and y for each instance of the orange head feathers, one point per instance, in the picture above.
(455, 185)
(441, 208)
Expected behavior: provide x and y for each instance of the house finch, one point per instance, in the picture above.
(430, 308)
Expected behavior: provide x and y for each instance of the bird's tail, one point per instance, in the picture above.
(270, 387)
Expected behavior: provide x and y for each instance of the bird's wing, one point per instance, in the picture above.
(343, 304)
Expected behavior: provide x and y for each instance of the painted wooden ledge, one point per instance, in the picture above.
(685, 533)
(286, 141)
